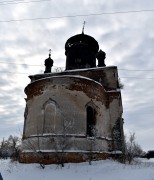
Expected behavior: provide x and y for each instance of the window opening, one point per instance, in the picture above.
(91, 121)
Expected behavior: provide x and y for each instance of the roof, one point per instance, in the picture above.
(82, 39)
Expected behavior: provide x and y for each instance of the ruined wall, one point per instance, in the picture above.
(60, 158)
(107, 76)
(57, 106)
(116, 111)
(56, 111)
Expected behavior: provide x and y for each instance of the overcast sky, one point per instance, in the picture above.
(126, 37)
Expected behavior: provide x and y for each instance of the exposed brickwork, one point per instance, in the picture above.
(56, 99)
(89, 87)
(56, 158)
(107, 76)
(34, 89)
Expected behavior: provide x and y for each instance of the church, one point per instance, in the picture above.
(74, 115)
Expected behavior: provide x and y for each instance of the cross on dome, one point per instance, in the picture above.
(83, 27)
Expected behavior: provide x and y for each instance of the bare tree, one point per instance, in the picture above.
(58, 142)
(34, 146)
(91, 144)
(4, 149)
(61, 142)
(59, 69)
(10, 147)
(121, 85)
(14, 144)
(132, 149)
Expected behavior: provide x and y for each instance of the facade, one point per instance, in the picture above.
(76, 114)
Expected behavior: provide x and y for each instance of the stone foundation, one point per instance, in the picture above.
(59, 158)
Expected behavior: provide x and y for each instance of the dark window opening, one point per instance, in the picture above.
(91, 121)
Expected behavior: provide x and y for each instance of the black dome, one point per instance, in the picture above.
(80, 51)
(82, 39)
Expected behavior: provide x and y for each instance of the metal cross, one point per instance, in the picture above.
(50, 52)
(83, 27)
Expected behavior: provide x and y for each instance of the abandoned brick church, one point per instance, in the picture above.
(74, 114)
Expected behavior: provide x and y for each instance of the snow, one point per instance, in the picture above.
(73, 135)
(117, 90)
(50, 134)
(67, 76)
(94, 68)
(104, 169)
(76, 70)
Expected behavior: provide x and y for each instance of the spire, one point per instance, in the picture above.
(50, 52)
(83, 27)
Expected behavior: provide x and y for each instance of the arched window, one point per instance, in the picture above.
(50, 110)
(91, 121)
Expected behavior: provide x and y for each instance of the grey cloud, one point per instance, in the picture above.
(126, 38)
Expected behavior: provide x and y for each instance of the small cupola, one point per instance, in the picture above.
(48, 63)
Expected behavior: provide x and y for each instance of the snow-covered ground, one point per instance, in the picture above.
(99, 170)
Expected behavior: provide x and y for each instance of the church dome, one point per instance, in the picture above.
(80, 51)
(82, 39)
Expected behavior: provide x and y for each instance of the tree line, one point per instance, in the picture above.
(10, 147)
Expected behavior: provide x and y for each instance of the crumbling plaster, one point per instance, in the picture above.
(71, 98)
(68, 94)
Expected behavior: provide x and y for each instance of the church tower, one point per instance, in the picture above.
(76, 114)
